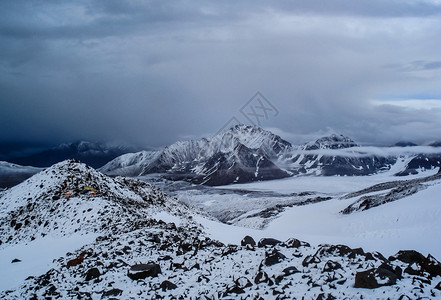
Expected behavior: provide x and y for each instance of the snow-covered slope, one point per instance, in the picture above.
(241, 154)
(12, 174)
(71, 197)
(147, 245)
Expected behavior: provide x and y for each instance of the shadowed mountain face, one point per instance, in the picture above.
(93, 154)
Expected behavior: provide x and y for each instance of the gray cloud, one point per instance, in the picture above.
(152, 72)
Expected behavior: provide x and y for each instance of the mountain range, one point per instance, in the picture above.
(92, 153)
(246, 153)
(238, 155)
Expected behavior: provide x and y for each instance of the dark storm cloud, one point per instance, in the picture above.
(152, 71)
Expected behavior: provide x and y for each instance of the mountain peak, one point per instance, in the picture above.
(249, 147)
(333, 141)
(71, 197)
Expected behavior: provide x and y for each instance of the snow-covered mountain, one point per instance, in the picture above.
(332, 141)
(12, 174)
(245, 154)
(325, 156)
(91, 153)
(241, 154)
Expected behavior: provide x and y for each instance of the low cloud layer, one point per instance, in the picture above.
(152, 72)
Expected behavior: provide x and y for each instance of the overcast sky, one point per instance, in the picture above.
(152, 72)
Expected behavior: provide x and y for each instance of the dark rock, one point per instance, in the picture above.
(15, 260)
(273, 258)
(375, 278)
(295, 243)
(166, 257)
(261, 277)
(409, 256)
(355, 252)
(322, 296)
(336, 250)
(186, 247)
(310, 259)
(234, 290)
(413, 269)
(229, 250)
(331, 266)
(243, 282)
(92, 274)
(438, 286)
(167, 285)
(268, 242)
(141, 271)
(18, 226)
(290, 270)
(248, 241)
(76, 261)
(112, 292)
(432, 266)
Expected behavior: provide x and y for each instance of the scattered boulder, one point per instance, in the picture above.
(418, 264)
(76, 261)
(374, 278)
(229, 250)
(432, 266)
(290, 270)
(322, 296)
(248, 241)
(92, 274)
(112, 292)
(409, 256)
(295, 243)
(273, 258)
(331, 265)
(268, 242)
(310, 259)
(262, 277)
(15, 260)
(167, 285)
(243, 282)
(141, 271)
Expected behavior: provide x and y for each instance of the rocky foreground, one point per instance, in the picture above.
(140, 254)
(163, 261)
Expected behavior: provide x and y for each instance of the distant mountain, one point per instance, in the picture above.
(93, 154)
(12, 174)
(421, 162)
(321, 157)
(241, 154)
(246, 153)
(436, 144)
(405, 144)
(333, 141)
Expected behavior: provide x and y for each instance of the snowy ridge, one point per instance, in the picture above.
(71, 197)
